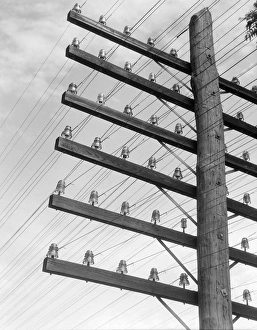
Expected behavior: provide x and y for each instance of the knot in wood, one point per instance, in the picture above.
(220, 236)
(224, 293)
(209, 57)
(217, 136)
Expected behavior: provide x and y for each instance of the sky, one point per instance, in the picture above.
(34, 74)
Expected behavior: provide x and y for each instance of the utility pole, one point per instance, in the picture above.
(213, 253)
(215, 311)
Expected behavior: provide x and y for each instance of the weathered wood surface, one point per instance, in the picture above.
(129, 78)
(129, 122)
(153, 53)
(150, 87)
(139, 226)
(124, 166)
(121, 281)
(147, 129)
(214, 293)
(128, 42)
(121, 221)
(132, 283)
(120, 165)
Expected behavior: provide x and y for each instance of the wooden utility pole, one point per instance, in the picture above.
(214, 299)
(213, 296)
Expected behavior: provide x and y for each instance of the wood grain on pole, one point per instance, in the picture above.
(214, 294)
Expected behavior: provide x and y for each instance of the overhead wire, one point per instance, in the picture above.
(35, 143)
(35, 75)
(31, 111)
(91, 40)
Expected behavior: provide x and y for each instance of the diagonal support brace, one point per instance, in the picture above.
(177, 205)
(173, 313)
(233, 264)
(178, 261)
(180, 159)
(179, 116)
(235, 319)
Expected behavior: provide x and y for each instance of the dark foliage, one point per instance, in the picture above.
(251, 23)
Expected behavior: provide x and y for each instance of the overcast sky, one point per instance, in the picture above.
(34, 74)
